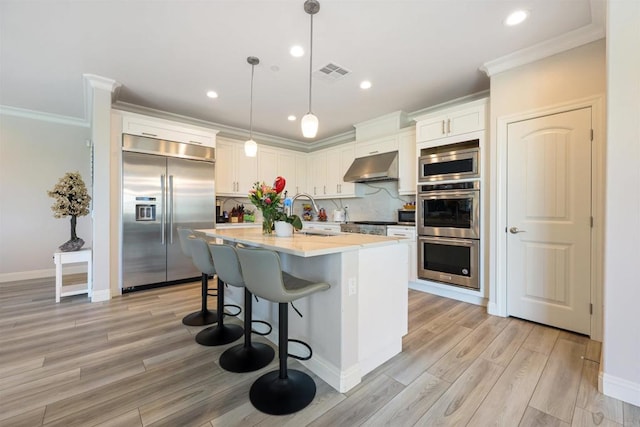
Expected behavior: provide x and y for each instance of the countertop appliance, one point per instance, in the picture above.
(165, 185)
(378, 228)
(406, 217)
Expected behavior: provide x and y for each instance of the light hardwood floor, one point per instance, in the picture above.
(131, 362)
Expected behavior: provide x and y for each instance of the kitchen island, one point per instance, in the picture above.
(358, 323)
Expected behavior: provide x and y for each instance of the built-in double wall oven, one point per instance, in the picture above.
(449, 215)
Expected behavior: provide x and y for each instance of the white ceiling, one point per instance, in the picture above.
(167, 54)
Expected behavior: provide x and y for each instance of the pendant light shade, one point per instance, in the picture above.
(250, 146)
(309, 122)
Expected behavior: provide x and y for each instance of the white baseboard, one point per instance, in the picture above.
(621, 389)
(448, 292)
(100, 295)
(40, 274)
(342, 381)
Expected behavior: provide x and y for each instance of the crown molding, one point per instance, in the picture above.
(452, 103)
(93, 81)
(224, 130)
(562, 43)
(42, 116)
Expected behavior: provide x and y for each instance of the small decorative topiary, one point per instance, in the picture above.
(71, 199)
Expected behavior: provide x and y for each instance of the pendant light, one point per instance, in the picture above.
(309, 121)
(250, 146)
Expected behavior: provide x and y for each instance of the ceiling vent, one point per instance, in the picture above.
(331, 72)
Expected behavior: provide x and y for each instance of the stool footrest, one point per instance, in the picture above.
(233, 306)
(262, 322)
(303, 344)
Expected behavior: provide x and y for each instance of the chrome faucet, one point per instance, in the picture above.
(308, 196)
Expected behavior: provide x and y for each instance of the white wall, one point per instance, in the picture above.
(34, 154)
(577, 74)
(621, 346)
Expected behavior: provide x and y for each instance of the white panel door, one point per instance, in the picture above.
(549, 220)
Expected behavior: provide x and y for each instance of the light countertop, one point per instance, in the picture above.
(302, 245)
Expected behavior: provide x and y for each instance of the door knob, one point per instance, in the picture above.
(514, 230)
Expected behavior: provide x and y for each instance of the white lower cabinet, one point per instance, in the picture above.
(407, 232)
(323, 226)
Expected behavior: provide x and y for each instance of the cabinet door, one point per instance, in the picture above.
(225, 172)
(301, 184)
(334, 167)
(469, 120)
(287, 169)
(267, 165)
(246, 171)
(383, 145)
(318, 173)
(431, 128)
(407, 162)
(347, 156)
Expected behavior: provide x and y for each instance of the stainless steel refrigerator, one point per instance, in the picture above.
(165, 185)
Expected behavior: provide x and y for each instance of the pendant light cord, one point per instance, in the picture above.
(251, 105)
(310, 60)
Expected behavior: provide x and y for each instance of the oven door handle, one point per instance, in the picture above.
(451, 194)
(445, 240)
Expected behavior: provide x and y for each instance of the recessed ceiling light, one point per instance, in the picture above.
(516, 17)
(212, 94)
(296, 51)
(291, 118)
(366, 84)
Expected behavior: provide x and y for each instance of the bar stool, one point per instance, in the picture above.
(249, 356)
(219, 334)
(284, 391)
(204, 316)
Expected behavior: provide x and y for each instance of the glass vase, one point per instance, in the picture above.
(267, 224)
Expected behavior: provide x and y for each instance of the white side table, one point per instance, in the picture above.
(61, 258)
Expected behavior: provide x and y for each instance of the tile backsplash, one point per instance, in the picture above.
(379, 202)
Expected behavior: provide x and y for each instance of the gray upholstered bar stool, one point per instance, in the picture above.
(284, 391)
(219, 334)
(204, 316)
(246, 357)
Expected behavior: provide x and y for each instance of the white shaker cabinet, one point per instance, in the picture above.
(458, 120)
(235, 172)
(338, 161)
(137, 124)
(377, 146)
(291, 165)
(407, 162)
(409, 233)
(326, 172)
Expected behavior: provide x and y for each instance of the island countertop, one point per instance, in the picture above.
(301, 244)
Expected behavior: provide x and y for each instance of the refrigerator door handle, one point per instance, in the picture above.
(164, 208)
(171, 209)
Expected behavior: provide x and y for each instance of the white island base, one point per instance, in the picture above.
(357, 324)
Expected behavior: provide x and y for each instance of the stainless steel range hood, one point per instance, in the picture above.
(378, 167)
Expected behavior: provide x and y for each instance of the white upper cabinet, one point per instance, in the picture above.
(326, 171)
(136, 124)
(407, 162)
(458, 120)
(377, 146)
(291, 165)
(235, 172)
